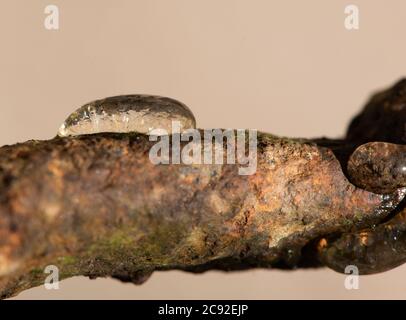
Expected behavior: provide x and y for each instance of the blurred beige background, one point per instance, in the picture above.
(287, 67)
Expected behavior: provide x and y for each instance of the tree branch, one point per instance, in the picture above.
(96, 205)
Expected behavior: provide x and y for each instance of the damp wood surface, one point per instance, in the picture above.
(96, 205)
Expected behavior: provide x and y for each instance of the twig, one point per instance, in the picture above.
(95, 205)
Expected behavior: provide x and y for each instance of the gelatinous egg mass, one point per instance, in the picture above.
(129, 113)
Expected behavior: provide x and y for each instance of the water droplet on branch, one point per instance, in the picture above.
(128, 113)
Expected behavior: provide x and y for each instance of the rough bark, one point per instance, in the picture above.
(378, 167)
(95, 205)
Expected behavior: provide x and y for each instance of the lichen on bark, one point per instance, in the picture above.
(96, 205)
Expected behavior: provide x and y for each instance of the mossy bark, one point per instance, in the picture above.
(95, 205)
